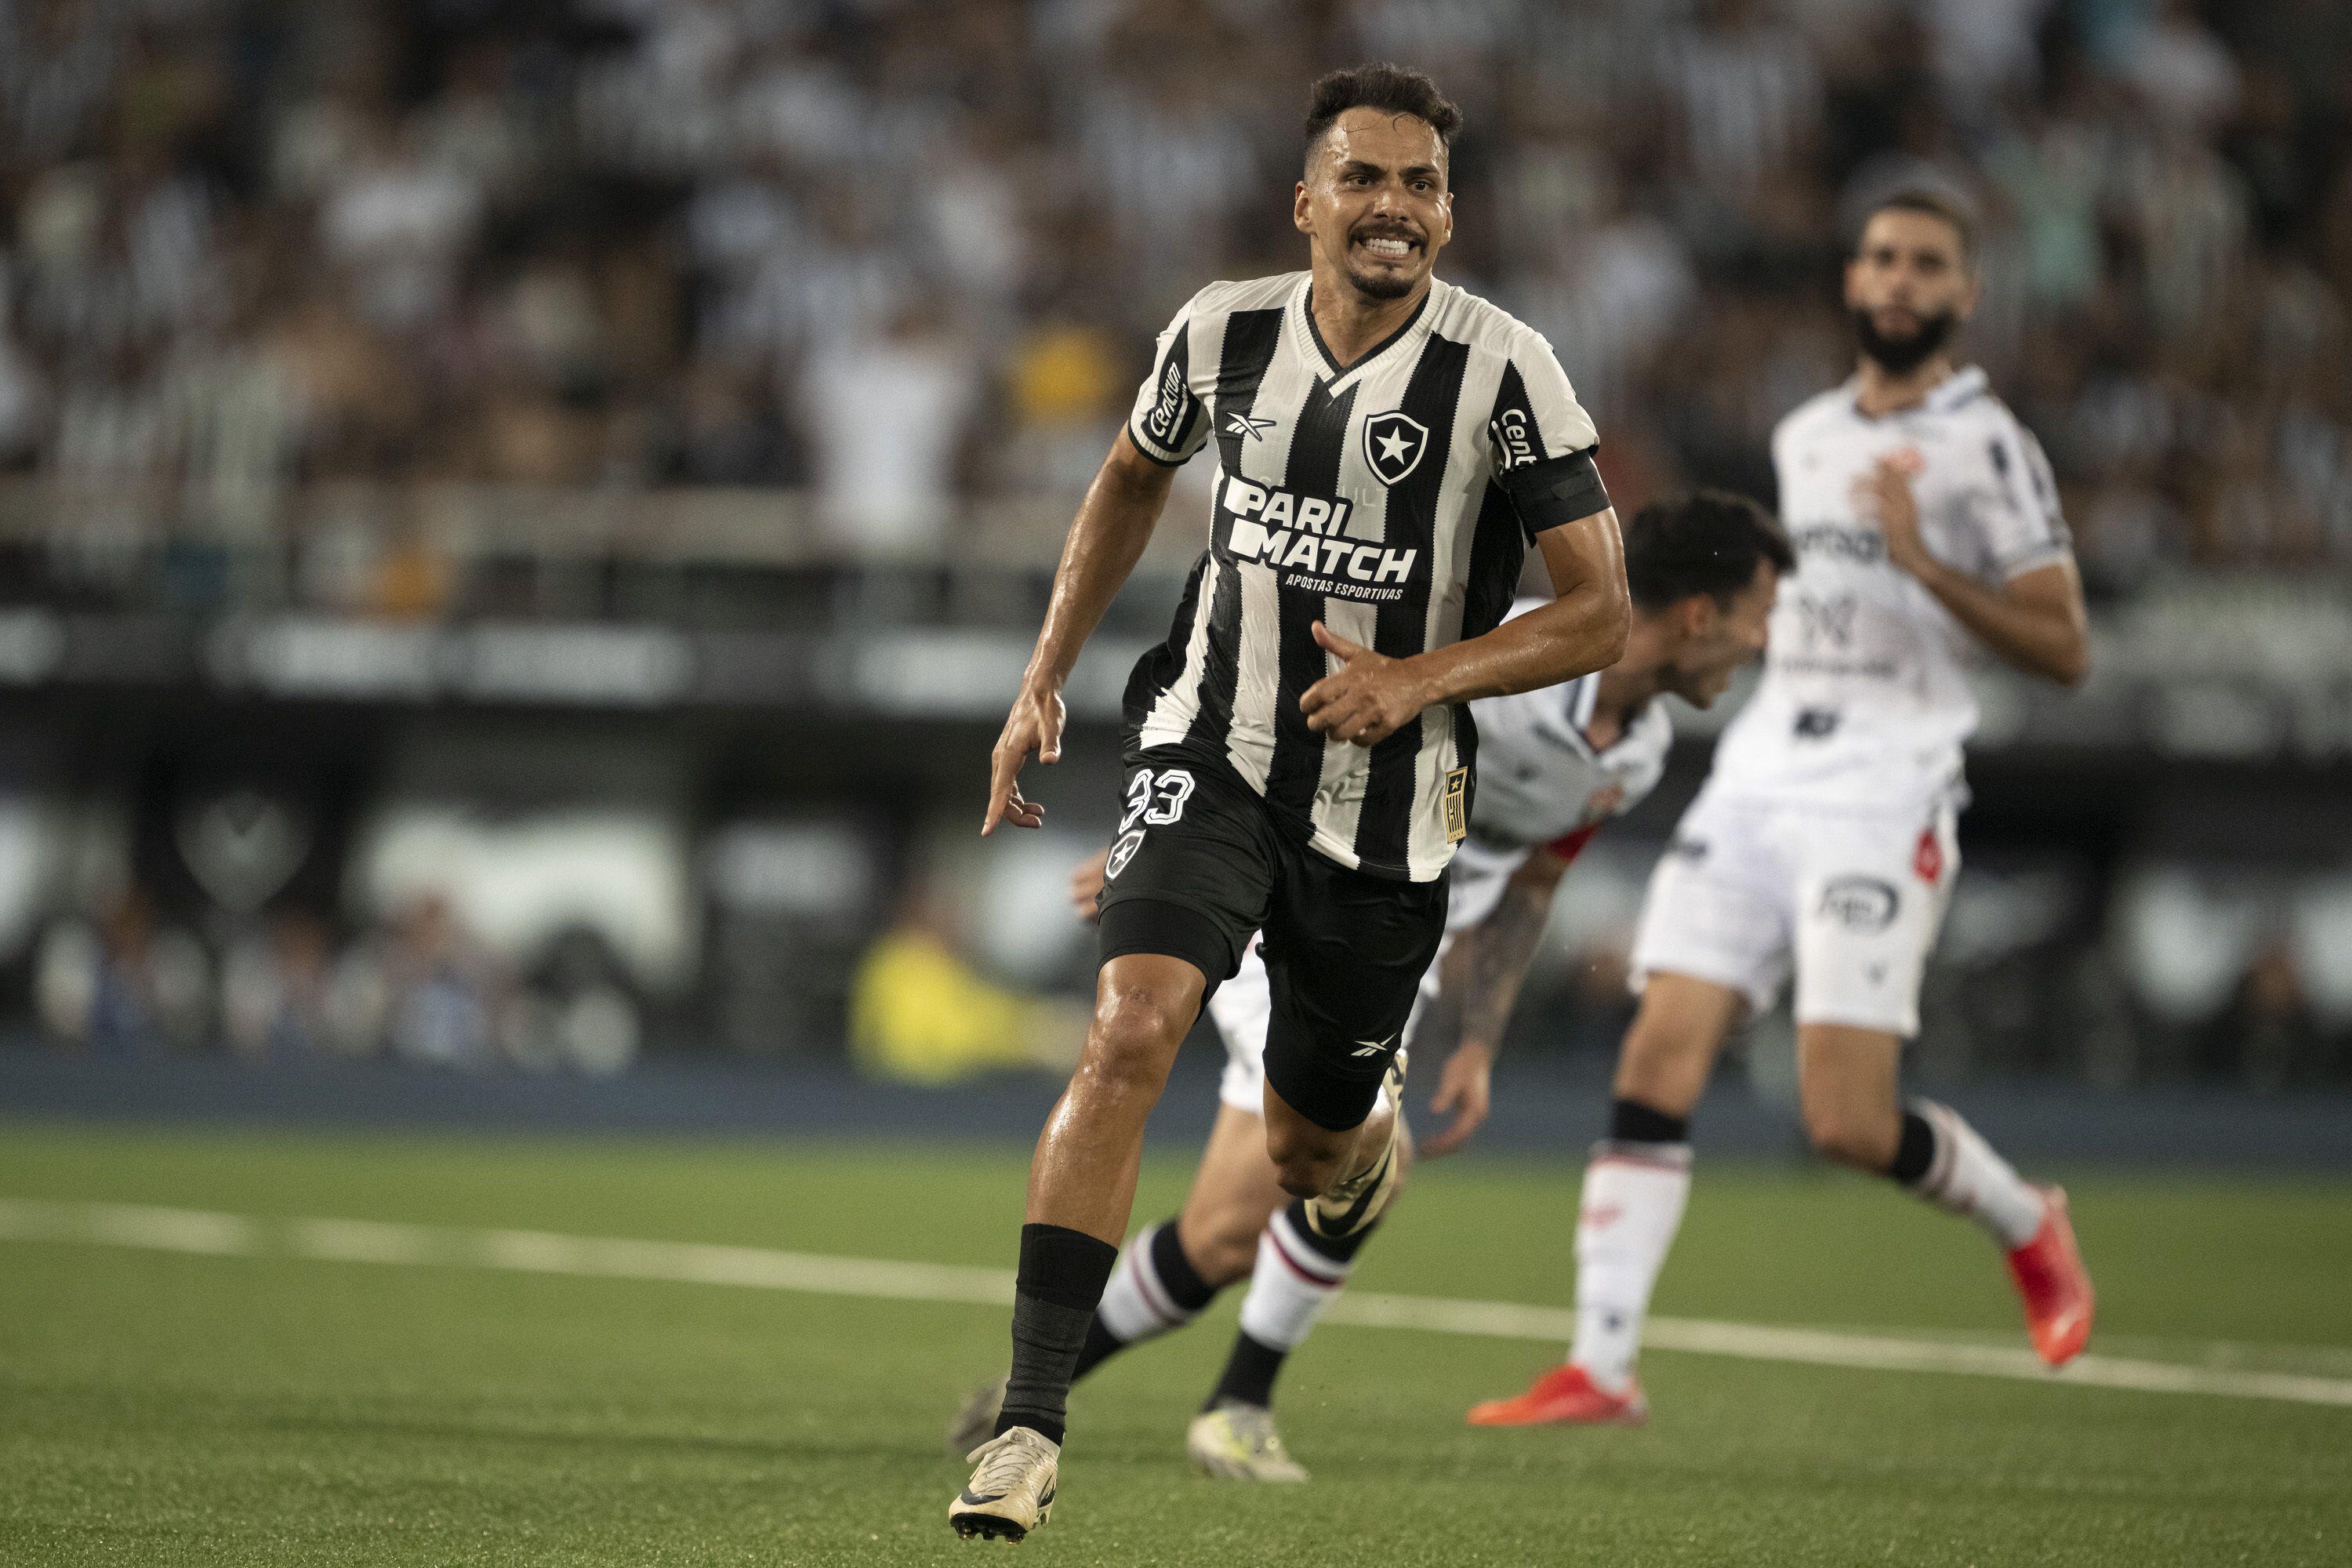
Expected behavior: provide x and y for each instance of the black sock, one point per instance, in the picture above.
(1062, 1276)
(1917, 1153)
(1249, 1374)
(1101, 1346)
(1630, 1121)
(1174, 1270)
(1337, 1248)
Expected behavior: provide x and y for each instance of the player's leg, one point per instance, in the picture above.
(1187, 882)
(1298, 1272)
(1082, 1177)
(1712, 948)
(1850, 1085)
(1344, 952)
(1170, 1272)
(1872, 899)
(1636, 1184)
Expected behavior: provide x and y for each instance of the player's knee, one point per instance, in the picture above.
(1848, 1137)
(1135, 1035)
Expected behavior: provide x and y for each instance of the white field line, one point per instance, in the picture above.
(203, 1231)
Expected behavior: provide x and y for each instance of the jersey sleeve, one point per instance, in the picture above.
(2023, 529)
(1171, 418)
(1543, 441)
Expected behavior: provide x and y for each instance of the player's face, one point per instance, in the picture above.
(1719, 638)
(1374, 205)
(1908, 285)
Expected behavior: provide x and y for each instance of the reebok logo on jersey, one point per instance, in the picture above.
(1244, 424)
(1370, 1048)
(1306, 537)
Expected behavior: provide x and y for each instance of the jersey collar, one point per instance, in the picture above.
(1582, 698)
(1340, 376)
(1962, 385)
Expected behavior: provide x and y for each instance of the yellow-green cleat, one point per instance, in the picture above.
(1238, 1443)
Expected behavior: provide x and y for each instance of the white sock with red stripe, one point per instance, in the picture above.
(1153, 1289)
(1296, 1277)
(1632, 1206)
(1297, 1274)
(1964, 1175)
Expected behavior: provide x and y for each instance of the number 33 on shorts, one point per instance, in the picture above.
(1152, 800)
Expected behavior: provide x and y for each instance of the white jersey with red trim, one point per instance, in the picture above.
(1865, 695)
(1541, 780)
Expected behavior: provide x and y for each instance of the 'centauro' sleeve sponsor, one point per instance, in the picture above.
(2019, 515)
(1543, 441)
(1170, 422)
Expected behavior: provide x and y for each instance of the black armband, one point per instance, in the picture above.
(1555, 492)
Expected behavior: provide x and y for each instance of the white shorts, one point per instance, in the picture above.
(1243, 1005)
(1850, 898)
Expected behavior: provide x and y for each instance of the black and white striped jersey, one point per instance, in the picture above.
(1377, 497)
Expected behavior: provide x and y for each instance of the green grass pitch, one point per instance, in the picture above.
(167, 1408)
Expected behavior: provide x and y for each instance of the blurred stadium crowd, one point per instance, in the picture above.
(910, 253)
(459, 459)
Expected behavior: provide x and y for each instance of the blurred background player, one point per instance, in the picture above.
(1556, 764)
(1924, 519)
(1299, 760)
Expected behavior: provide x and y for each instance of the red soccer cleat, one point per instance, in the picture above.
(2053, 1285)
(1564, 1397)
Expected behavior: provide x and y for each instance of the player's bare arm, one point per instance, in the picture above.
(2035, 621)
(1122, 506)
(1371, 696)
(1477, 984)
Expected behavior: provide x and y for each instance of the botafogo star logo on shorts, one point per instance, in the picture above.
(1394, 443)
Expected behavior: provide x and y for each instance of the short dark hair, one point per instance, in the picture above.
(1391, 88)
(1708, 542)
(1936, 203)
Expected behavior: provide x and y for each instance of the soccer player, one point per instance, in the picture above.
(1924, 519)
(1298, 752)
(1557, 763)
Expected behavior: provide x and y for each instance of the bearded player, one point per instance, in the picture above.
(1300, 753)
(1926, 521)
(1557, 763)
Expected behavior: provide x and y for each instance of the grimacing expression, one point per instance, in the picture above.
(1719, 638)
(1908, 285)
(1374, 203)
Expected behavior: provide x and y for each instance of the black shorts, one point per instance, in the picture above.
(1200, 862)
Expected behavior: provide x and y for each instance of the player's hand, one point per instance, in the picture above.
(1369, 698)
(1087, 886)
(1035, 725)
(1465, 1088)
(1884, 493)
